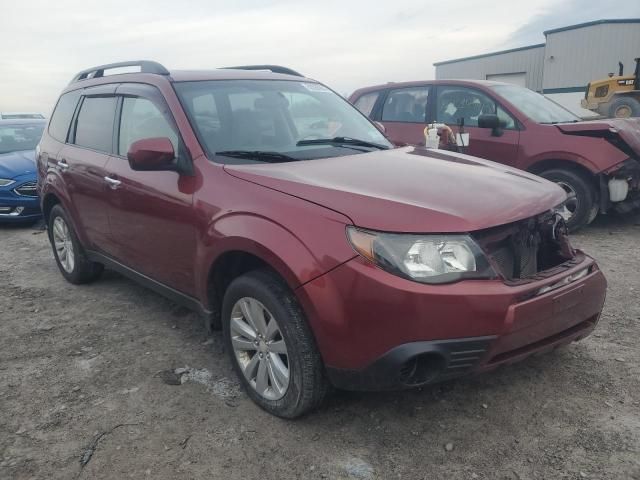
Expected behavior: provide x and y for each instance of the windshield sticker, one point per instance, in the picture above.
(316, 87)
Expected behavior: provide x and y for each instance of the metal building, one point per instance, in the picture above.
(562, 66)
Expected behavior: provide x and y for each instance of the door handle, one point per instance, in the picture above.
(112, 182)
(62, 164)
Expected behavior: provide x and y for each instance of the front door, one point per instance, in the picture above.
(404, 114)
(454, 103)
(150, 216)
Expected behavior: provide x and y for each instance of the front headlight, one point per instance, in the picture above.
(6, 181)
(422, 258)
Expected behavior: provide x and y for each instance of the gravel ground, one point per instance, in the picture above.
(88, 390)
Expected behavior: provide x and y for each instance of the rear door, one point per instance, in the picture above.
(404, 114)
(454, 102)
(82, 160)
(150, 212)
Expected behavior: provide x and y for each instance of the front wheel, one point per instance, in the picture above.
(67, 250)
(579, 207)
(271, 345)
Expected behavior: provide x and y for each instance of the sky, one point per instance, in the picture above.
(346, 44)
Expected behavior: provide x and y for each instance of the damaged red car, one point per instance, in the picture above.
(596, 162)
(269, 204)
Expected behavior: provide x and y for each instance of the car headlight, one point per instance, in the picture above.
(6, 181)
(422, 258)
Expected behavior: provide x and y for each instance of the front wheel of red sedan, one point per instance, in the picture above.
(271, 345)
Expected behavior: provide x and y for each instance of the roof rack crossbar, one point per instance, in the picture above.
(146, 66)
(272, 68)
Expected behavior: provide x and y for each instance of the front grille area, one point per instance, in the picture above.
(523, 249)
(27, 189)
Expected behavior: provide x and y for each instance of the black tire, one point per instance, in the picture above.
(585, 194)
(84, 270)
(624, 107)
(308, 386)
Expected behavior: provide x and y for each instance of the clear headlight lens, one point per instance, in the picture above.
(6, 181)
(423, 258)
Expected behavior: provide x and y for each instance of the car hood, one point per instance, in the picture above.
(411, 189)
(13, 164)
(628, 129)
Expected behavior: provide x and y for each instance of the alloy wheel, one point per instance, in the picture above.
(571, 205)
(260, 348)
(63, 244)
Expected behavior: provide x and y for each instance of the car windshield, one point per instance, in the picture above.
(14, 137)
(275, 121)
(535, 106)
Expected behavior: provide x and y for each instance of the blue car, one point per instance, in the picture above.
(18, 195)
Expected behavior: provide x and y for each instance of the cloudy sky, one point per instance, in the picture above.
(346, 44)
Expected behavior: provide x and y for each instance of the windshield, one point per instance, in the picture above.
(535, 106)
(300, 120)
(20, 136)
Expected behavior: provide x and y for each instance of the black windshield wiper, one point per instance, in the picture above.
(271, 157)
(341, 141)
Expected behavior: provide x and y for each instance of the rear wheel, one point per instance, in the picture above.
(579, 207)
(67, 250)
(271, 346)
(624, 107)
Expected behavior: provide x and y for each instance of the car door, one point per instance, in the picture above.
(150, 212)
(82, 161)
(455, 102)
(404, 114)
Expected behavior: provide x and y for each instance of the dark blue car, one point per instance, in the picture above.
(18, 195)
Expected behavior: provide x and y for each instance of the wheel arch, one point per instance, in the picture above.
(550, 164)
(48, 202)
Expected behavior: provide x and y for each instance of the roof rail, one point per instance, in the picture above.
(272, 68)
(146, 66)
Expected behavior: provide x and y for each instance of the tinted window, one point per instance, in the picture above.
(61, 118)
(142, 119)
(406, 105)
(455, 103)
(94, 127)
(366, 102)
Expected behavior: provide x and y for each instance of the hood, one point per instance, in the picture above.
(13, 164)
(627, 129)
(411, 189)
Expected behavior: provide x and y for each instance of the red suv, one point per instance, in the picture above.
(265, 201)
(596, 162)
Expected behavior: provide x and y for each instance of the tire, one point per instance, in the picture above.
(577, 213)
(624, 107)
(71, 258)
(265, 296)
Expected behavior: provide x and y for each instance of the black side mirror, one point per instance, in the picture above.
(491, 120)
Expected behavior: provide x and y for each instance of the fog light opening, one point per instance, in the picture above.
(421, 369)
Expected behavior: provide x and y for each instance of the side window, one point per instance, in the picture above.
(140, 119)
(62, 115)
(366, 102)
(455, 103)
(94, 125)
(406, 105)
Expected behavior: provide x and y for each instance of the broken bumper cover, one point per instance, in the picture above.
(391, 333)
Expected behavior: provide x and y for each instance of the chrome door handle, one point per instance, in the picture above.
(62, 164)
(112, 182)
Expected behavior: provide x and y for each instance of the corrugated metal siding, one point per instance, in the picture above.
(528, 61)
(589, 53)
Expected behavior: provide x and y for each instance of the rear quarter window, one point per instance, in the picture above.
(62, 115)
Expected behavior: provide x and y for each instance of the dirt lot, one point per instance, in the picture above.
(80, 384)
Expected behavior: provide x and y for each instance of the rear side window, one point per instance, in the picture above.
(142, 119)
(366, 102)
(61, 118)
(406, 105)
(94, 127)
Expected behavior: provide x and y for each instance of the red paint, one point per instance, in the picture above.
(173, 228)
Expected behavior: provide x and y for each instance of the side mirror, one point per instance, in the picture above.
(381, 127)
(150, 154)
(491, 120)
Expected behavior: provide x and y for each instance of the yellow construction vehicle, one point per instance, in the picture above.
(617, 96)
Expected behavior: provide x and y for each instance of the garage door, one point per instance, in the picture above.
(514, 78)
